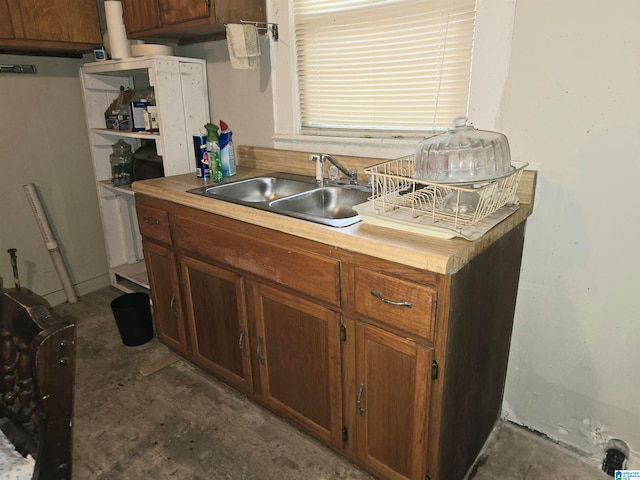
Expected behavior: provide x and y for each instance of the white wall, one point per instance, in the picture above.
(569, 106)
(43, 140)
(242, 98)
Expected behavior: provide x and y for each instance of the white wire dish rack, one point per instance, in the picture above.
(443, 210)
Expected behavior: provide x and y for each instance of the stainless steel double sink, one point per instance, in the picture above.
(293, 195)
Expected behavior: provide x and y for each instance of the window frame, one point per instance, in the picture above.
(489, 66)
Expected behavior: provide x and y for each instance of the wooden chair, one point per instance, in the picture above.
(37, 362)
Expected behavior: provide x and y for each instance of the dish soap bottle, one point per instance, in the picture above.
(213, 152)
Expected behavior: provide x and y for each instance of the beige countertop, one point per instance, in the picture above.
(412, 249)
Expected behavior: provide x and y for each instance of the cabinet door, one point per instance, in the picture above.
(167, 313)
(298, 349)
(6, 28)
(391, 400)
(75, 21)
(215, 307)
(140, 15)
(177, 11)
(229, 11)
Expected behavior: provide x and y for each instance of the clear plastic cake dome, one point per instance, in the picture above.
(462, 155)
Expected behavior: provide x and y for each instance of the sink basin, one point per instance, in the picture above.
(260, 189)
(293, 195)
(331, 203)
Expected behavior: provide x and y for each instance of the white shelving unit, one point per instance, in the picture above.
(182, 101)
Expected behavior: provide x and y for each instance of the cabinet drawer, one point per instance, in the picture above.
(305, 272)
(398, 303)
(153, 224)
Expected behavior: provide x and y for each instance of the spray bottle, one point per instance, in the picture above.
(213, 152)
(227, 151)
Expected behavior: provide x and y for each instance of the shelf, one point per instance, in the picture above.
(133, 65)
(182, 103)
(123, 189)
(135, 273)
(126, 133)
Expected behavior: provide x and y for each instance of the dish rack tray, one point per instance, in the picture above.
(440, 207)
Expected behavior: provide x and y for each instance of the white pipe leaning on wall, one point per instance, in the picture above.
(50, 242)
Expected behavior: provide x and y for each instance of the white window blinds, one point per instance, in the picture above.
(385, 65)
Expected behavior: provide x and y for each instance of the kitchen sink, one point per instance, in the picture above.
(293, 195)
(259, 189)
(332, 203)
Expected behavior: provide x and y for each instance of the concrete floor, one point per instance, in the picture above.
(133, 421)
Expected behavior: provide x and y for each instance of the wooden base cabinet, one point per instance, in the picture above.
(167, 307)
(298, 349)
(391, 401)
(217, 320)
(399, 369)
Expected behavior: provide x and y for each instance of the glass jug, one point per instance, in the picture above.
(121, 160)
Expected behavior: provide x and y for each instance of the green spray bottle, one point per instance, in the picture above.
(213, 152)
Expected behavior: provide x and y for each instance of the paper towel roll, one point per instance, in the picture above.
(119, 43)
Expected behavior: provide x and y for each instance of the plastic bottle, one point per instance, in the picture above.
(213, 152)
(227, 151)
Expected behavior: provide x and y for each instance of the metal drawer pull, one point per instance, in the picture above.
(377, 294)
(259, 350)
(173, 306)
(243, 349)
(359, 400)
(151, 222)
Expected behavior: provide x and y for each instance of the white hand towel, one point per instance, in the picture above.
(244, 49)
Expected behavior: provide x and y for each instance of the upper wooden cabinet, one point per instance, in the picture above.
(187, 21)
(69, 27)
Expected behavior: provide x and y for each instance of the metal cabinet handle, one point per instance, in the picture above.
(151, 222)
(243, 349)
(173, 306)
(259, 350)
(359, 400)
(401, 303)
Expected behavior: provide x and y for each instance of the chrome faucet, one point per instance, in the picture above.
(352, 175)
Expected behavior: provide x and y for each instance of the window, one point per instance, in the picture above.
(370, 67)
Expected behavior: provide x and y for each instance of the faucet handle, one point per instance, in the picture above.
(353, 177)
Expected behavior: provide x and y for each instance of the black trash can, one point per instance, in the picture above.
(132, 312)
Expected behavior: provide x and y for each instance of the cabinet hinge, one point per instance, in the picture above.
(345, 434)
(343, 333)
(208, 2)
(427, 477)
(434, 370)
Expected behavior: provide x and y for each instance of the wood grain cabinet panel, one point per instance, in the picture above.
(400, 304)
(6, 26)
(165, 294)
(187, 21)
(398, 369)
(49, 26)
(392, 401)
(298, 347)
(305, 272)
(153, 224)
(141, 15)
(215, 308)
(176, 11)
